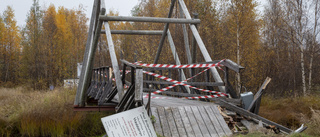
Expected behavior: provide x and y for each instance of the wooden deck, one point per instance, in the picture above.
(187, 118)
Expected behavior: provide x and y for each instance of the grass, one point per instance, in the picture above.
(45, 113)
(292, 112)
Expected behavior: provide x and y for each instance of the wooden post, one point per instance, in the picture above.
(257, 96)
(176, 57)
(87, 61)
(138, 85)
(201, 45)
(164, 33)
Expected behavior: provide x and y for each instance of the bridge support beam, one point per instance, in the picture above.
(201, 45)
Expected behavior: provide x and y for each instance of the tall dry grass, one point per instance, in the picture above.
(292, 112)
(45, 113)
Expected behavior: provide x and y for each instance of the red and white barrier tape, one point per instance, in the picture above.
(146, 96)
(207, 96)
(179, 66)
(181, 83)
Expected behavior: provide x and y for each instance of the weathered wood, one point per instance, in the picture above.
(87, 61)
(135, 32)
(178, 121)
(257, 96)
(164, 33)
(186, 122)
(193, 121)
(214, 121)
(138, 85)
(171, 122)
(207, 121)
(114, 61)
(176, 57)
(164, 122)
(250, 115)
(203, 127)
(188, 83)
(148, 19)
(185, 39)
(201, 45)
(222, 122)
(157, 123)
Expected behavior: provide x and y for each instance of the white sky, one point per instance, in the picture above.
(22, 7)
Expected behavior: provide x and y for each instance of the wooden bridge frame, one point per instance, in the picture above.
(98, 18)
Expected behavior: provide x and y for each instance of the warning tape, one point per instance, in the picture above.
(207, 96)
(178, 66)
(181, 83)
(155, 97)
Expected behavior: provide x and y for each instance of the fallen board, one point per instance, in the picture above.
(183, 118)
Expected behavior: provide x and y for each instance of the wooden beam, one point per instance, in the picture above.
(176, 57)
(86, 72)
(149, 19)
(257, 96)
(201, 45)
(114, 61)
(164, 33)
(134, 32)
(250, 115)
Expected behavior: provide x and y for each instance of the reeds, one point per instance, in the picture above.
(45, 113)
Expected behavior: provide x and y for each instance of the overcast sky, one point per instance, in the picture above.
(22, 7)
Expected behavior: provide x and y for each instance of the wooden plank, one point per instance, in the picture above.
(171, 122)
(178, 121)
(258, 95)
(222, 122)
(214, 121)
(200, 121)
(138, 85)
(157, 124)
(148, 19)
(207, 121)
(193, 121)
(186, 122)
(201, 45)
(164, 122)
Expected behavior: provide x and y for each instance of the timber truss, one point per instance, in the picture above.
(135, 83)
(100, 18)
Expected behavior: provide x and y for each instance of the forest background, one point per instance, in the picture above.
(282, 43)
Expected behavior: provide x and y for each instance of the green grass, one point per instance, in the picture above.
(45, 113)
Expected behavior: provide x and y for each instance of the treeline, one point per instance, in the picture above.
(44, 51)
(281, 42)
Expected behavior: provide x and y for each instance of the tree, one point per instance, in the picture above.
(11, 46)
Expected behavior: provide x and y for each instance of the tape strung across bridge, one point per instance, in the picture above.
(207, 66)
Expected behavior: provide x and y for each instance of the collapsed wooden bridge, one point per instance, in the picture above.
(137, 84)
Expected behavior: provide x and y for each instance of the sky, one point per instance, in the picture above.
(22, 7)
